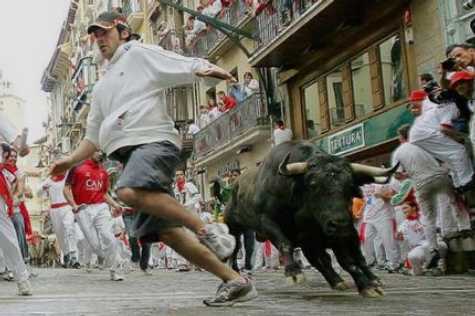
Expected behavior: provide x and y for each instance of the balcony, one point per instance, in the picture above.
(134, 12)
(286, 34)
(83, 80)
(213, 42)
(243, 125)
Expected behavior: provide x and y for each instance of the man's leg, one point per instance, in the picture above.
(452, 153)
(85, 223)
(11, 251)
(19, 225)
(69, 233)
(249, 243)
(145, 256)
(103, 225)
(387, 231)
(133, 242)
(58, 228)
(161, 204)
(417, 257)
(189, 247)
(368, 236)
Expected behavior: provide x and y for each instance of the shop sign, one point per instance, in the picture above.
(346, 140)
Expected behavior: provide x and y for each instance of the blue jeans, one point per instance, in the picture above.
(19, 225)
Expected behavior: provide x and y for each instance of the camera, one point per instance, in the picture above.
(431, 86)
(468, 4)
(449, 64)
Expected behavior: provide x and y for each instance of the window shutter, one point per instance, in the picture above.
(348, 93)
(324, 111)
(376, 78)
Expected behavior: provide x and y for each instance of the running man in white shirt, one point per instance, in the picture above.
(129, 121)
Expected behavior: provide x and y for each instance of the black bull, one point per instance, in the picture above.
(301, 197)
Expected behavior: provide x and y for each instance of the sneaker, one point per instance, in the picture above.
(183, 268)
(8, 276)
(147, 272)
(434, 260)
(76, 265)
(24, 288)
(116, 277)
(239, 290)
(218, 240)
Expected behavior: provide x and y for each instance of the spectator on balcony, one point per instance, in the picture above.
(214, 111)
(281, 134)
(228, 101)
(211, 7)
(264, 5)
(285, 12)
(236, 91)
(204, 116)
(193, 129)
(251, 85)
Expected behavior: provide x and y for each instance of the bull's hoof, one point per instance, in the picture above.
(342, 286)
(377, 283)
(295, 279)
(372, 292)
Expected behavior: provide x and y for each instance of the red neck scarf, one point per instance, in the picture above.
(180, 184)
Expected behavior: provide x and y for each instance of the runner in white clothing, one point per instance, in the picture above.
(412, 231)
(8, 237)
(379, 219)
(62, 218)
(429, 131)
(433, 192)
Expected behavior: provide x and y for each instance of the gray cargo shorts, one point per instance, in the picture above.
(149, 167)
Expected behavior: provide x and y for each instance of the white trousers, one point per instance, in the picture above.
(453, 154)
(9, 245)
(438, 196)
(95, 222)
(386, 230)
(419, 255)
(62, 219)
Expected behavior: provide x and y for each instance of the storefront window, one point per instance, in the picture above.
(392, 64)
(335, 98)
(312, 110)
(361, 79)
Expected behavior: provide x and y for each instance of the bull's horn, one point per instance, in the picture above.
(373, 171)
(381, 180)
(290, 169)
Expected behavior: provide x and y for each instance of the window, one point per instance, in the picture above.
(361, 79)
(392, 67)
(312, 109)
(335, 98)
(371, 80)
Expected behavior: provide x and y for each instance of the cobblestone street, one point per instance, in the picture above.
(75, 292)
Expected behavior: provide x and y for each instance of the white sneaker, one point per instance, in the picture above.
(147, 272)
(116, 277)
(8, 276)
(24, 288)
(218, 240)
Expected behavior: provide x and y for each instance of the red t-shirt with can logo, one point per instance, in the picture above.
(89, 183)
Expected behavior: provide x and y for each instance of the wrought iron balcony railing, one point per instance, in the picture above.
(250, 113)
(275, 17)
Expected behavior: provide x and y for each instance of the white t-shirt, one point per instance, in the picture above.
(428, 123)
(213, 114)
(376, 209)
(413, 232)
(54, 189)
(206, 217)
(417, 163)
(204, 120)
(282, 136)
